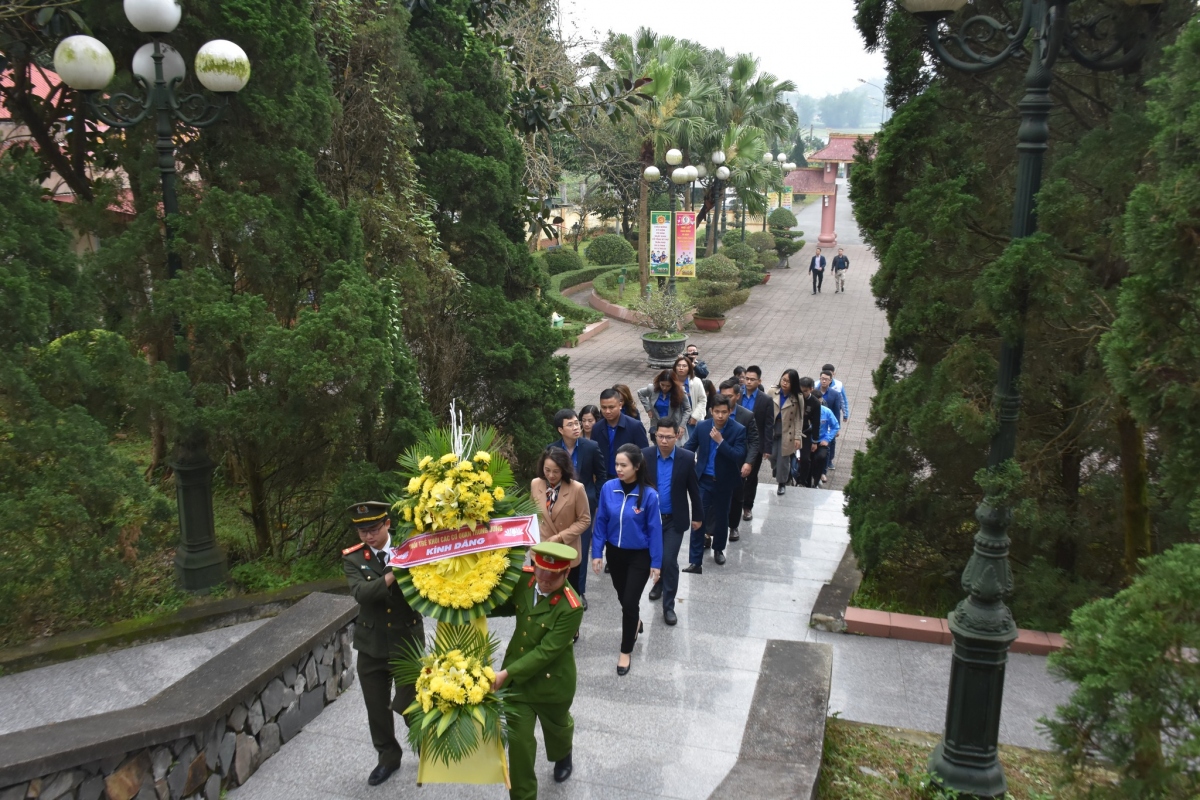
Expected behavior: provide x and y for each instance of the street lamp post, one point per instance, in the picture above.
(86, 65)
(678, 176)
(785, 168)
(983, 628)
(716, 181)
(882, 103)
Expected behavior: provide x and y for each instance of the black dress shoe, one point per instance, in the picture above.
(669, 616)
(563, 769)
(694, 569)
(623, 671)
(707, 542)
(781, 489)
(583, 601)
(734, 535)
(381, 774)
(719, 556)
(606, 566)
(747, 515)
(656, 591)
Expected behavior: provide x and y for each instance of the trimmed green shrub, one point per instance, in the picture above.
(781, 220)
(731, 237)
(610, 249)
(717, 305)
(768, 259)
(564, 259)
(565, 305)
(1133, 659)
(718, 269)
(761, 241)
(742, 253)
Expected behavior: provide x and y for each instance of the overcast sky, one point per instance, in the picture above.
(812, 42)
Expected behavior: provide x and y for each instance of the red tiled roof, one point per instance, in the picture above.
(122, 205)
(840, 147)
(809, 180)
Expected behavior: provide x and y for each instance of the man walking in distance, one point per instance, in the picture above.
(590, 471)
(759, 403)
(840, 265)
(720, 447)
(548, 614)
(385, 625)
(810, 426)
(754, 451)
(817, 268)
(614, 429)
(671, 471)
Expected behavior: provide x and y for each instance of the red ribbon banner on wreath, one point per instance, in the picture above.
(436, 545)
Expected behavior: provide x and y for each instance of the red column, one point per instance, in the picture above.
(828, 236)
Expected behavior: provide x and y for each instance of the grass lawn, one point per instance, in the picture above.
(869, 762)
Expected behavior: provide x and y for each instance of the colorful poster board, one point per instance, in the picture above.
(772, 201)
(660, 243)
(685, 244)
(787, 198)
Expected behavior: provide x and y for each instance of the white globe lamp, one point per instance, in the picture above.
(723, 173)
(173, 63)
(84, 63)
(768, 158)
(153, 16)
(222, 66)
(680, 175)
(674, 157)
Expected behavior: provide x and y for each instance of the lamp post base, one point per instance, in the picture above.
(199, 562)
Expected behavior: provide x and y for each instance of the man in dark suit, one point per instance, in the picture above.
(817, 268)
(614, 429)
(590, 471)
(678, 490)
(732, 389)
(720, 447)
(758, 402)
(810, 426)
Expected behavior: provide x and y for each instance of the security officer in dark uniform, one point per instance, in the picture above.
(385, 624)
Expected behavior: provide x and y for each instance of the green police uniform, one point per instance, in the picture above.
(541, 671)
(385, 623)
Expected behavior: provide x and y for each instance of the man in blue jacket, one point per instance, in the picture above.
(614, 429)
(589, 470)
(672, 471)
(720, 447)
(817, 268)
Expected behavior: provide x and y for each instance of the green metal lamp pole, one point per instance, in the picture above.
(224, 69)
(983, 628)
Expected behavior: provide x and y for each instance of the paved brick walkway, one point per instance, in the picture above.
(782, 325)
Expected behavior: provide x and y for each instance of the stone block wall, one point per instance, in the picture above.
(223, 756)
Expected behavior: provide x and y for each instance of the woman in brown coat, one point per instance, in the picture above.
(563, 513)
(789, 411)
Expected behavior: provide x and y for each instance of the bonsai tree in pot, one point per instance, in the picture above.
(716, 291)
(664, 313)
(787, 241)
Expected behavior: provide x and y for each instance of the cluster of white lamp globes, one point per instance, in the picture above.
(781, 159)
(692, 172)
(84, 63)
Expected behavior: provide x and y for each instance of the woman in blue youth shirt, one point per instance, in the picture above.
(665, 399)
(628, 522)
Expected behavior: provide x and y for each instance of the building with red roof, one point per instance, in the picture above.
(821, 180)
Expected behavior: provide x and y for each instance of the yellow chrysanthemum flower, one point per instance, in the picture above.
(484, 456)
(498, 492)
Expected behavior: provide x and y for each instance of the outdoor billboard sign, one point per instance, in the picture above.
(660, 243)
(685, 244)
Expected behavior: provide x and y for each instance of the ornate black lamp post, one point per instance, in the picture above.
(983, 628)
(86, 65)
(716, 181)
(679, 176)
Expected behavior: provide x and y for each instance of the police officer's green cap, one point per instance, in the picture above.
(368, 514)
(553, 556)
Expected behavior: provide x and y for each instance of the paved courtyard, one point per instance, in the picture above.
(782, 326)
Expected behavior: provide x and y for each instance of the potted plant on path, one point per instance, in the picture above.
(665, 314)
(787, 241)
(716, 291)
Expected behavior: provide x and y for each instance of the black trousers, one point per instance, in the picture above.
(735, 504)
(750, 483)
(375, 677)
(630, 571)
(818, 277)
(819, 462)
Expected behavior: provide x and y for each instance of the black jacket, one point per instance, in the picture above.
(628, 431)
(591, 472)
(753, 446)
(812, 416)
(685, 486)
(764, 417)
(841, 262)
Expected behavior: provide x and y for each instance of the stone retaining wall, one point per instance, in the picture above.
(198, 736)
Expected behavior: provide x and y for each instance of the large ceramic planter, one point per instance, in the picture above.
(710, 324)
(661, 353)
(766, 277)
